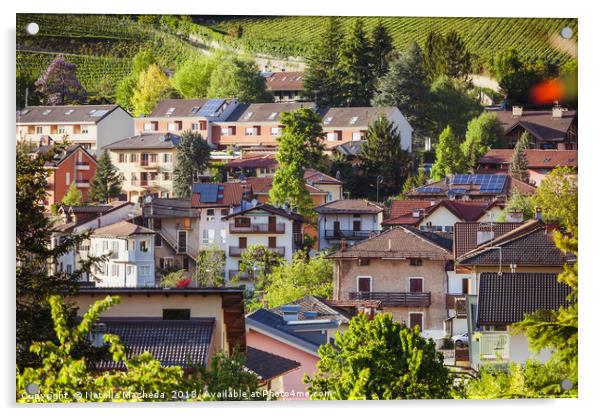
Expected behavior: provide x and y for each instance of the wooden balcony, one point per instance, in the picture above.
(407, 299)
(278, 228)
(456, 302)
(237, 251)
(348, 234)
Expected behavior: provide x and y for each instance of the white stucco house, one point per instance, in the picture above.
(131, 255)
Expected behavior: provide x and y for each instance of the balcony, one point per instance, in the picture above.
(82, 166)
(494, 345)
(456, 302)
(258, 229)
(149, 165)
(408, 299)
(348, 234)
(241, 275)
(82, 183)
(237, 251)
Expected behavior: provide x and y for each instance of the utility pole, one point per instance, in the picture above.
(379, 180)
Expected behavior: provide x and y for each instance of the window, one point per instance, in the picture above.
(158, 240)
(68, 178)
(69, 269)
(185, 264)
(144, 270)
(176, 314)
(130, 270)
(465, 284)
(114, 270)
(331, 137)
(415, 319)
(167, 157)
(166, 262)
(62, 130)
(250, 131)
(449, 228)
(242, 242)
(131, 245)
(205, 236)
(363, 262)
(225, 211)
(227, 131)
(415, 261)
(84, 130)
(416, 284)
(149, 126)
(210, 215)
(153, 157)
(39, 129)
(276, 131)
(134, 158)
(105, 246)
(222, 234)
(166, 176)
(364, 284)
(357, 135)
(144, 246)
(122, 158)
(174, 126)
(194, 126)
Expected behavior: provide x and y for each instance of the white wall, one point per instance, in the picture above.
(217, 225)
(115, 126)
(440, 217)
(404, 129)
(519, 350)
(369, 222)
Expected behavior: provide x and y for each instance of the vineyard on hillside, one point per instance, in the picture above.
(293, 36)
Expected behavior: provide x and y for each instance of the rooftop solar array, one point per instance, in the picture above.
(208, 191)
(429, 190)
(211, 107)
(493, 184)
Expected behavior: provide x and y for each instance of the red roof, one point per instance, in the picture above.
(315, 176)
(285, 81)
(536, 158)
(232, 195)
(263, 185)
(253, 160)
(402, 211)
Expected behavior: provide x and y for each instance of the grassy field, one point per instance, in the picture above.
(293, 36)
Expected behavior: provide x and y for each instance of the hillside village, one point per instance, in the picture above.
(266, 227)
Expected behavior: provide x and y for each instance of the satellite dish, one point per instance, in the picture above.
(148, 199)
(253, 202)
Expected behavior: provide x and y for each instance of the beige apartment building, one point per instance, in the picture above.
(146, 163)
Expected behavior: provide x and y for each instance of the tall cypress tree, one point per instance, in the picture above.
(382, 48)
(518, 165)
(356, 66)
(322, 81)
(105, 183)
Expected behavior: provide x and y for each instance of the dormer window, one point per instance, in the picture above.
(69, 112)
(353, 120)
(248, 115)
(46, 112)
(327, 120)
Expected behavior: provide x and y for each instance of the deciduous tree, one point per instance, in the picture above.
(192, 158)
(58, 84)
(259, 261)
(450, 159)
(482, 134)
(152, 87)
(238, 78)
(210, 264)
(451, 104)
(193, 77)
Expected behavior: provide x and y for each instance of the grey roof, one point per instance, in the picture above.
(146, 141)
(540, 123)
(349, 206)
(181, 108)
(172, 342)
(342, 117)
(268, 208)
(507, 298)
(315, 304)
(121, 229)
(87, 114)
(170, 208)
(260, 113)
(268, 366)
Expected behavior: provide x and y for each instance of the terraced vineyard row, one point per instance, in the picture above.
(292, 36)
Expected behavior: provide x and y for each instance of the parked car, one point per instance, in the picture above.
(460, 340)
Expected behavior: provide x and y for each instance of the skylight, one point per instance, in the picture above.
(353, 120)
(248, 115)
(170, 111)
(98, 113)
(272, 116)
(46, 112)
(69, 112)
(327, 120)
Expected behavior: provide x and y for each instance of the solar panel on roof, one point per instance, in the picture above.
(211, 107)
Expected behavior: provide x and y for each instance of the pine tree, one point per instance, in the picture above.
(322, 78)
(433, 54)
(406, 87)
(356, 58)
(299, 146)
(192, 158)
(449, 157)
(382, 155)
(457, 61)
(382, 48)
(105, 183)
(58, 85)
(518, 165)
(73, 195)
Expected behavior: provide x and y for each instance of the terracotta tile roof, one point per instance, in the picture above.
(402, 242)
(349, 206)
(121, 229)
(536, 158)
(407, 206)
(87, 114)
(315, 176)
(529, 244)
(146, 141)
(522, 187)
(264, 112)
(63, 155)
(253, 160)
(268, 208)
(466, 234)
(268, 366)
(342, 117)
(285, 81)
(182, 108)
(538, 122)
(172, 342)
(262, 186)
(230, 195)
(507, 298)
(463, 210)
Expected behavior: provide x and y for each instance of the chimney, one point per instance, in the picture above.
(557, 112)
(538, 215)
(517, 111)
(290, 312)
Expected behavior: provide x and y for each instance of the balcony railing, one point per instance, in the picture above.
(147, 164)
(258, 228)
(237, 251)
(82, 183)
(82, 165)
(410, 299)
(241, 275)
(494, 344)
(456, 302)
(348, 234)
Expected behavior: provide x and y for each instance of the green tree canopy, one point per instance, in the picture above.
(446, 55)
(557, 196)
(193, 77)
(125, 89)
(192, 158)
(239, 78)
(105, 183)
(515, 76)
(482, 134)
(450, 159)
(379, 359)
(382, 48)
(210, 264)
(322, 78)
(356, 66)
(259, 261)
(152, 87)
(406, 87)
(301, 277)
(381, 155)
(518, 164)
(73, 195)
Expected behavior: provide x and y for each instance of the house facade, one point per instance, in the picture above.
(285, 86)
(91, 126)
(352, 220)
(131, 250)
(146, 164)
(404, 269)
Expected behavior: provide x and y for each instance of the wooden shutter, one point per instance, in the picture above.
(242, 242)
(416, 285)
(465, 286)
(416, 319)
(272, 242)
(364, 284)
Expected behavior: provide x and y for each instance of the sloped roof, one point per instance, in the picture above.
(397, 242)
(264, 184)
(268, 208)
(121, 229)
(342, 117)
(63, 155)
(463, 210)
(315, 176)
(146, 141)
(87, 114)
(172, 342)
(538, 122)
(268, 366)
(315, 304)
(253, 160)
(349, 206)
(170, 208)
(536, 158)
(230, 194)
(182, 108)
(528, 244)
(507, 298)
(466, 234)
(262, 112)
(285, 81)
